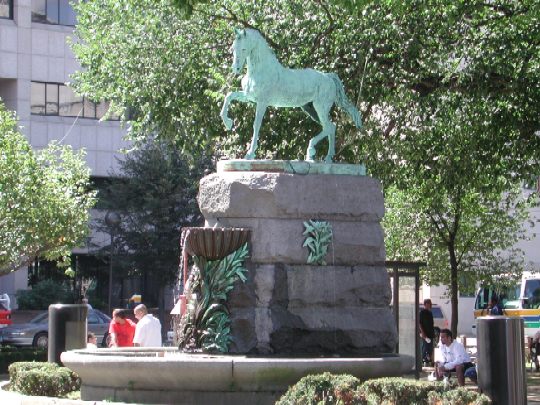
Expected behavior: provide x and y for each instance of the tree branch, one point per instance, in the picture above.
(325, 33)
(245, 24)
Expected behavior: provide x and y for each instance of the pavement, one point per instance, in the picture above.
(13, 398)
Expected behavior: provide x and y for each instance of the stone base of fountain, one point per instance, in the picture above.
(292, 317)
(288, 306)
(167, 376)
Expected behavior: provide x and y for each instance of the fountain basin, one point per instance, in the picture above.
(214, 243)
(166, 375)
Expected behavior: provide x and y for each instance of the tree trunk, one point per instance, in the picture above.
(453, 289)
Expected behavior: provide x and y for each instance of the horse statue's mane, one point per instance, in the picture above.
(268, 83)
(262, 47)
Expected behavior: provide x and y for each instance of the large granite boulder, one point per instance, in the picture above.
(288, 306)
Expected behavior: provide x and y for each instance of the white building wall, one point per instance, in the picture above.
(440, 296)
(31, 51)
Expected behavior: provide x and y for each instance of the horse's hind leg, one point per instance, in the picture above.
(259, 114)
(329, 131)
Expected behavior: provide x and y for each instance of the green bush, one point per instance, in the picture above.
(327, 389)
(44, 379)
(400, 391)
(43, 294)
(459, 396)
(324, 389)
(10, 355)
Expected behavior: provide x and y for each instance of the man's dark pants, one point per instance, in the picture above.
(427, 351)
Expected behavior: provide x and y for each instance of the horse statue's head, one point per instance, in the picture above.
(245, 41)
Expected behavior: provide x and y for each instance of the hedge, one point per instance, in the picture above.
(401, 391)
(9, 355)
(459, 396)
(323, 388)
(43, 379)
(329, 389)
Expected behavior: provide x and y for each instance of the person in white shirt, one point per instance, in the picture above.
(148, 329)
(452, 357)
(91, 341)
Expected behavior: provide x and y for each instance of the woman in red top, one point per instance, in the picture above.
(121, 330)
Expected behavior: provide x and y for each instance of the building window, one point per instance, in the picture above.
(53, 12)
(58, 99)
(6, 9)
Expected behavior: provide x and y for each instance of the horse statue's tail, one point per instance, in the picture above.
(343, 101)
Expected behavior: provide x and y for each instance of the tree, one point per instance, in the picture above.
(448, 91)
(459, 131)
(44, 199)
(178, 91)
(481, 241)
(155, 195)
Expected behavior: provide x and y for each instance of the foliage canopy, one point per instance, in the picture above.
(154, 193)
(449, 93)
(44, 199)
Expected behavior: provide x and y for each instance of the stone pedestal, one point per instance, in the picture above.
(287, 306)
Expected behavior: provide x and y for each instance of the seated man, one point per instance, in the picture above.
(452, 357)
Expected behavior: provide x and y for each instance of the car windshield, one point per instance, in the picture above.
(42, 318)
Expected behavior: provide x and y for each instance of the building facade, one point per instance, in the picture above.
(35, 66)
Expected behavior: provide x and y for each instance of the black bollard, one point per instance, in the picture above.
(67, 329)
(501, 359)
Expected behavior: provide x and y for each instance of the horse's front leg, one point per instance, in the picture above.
(232, 96)
(259, 114)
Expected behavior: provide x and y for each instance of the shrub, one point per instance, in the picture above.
(400, 391)
(459, 396)
(43, 294)
(41, 378)
(10, 355)
(324, 389)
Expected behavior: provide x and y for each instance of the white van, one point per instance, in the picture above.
(521, 299)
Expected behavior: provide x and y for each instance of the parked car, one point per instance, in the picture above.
(5, 316)
(36, 332)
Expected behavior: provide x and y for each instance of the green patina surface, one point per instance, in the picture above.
(206, 323)
(268, 83)
(318, 237)
(290, 166)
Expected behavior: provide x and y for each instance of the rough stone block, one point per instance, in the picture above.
(281, 195)
(314, 309)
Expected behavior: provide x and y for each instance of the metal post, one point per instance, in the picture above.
(111, 272)
(112, 219)
(417, 354)
(395, 299)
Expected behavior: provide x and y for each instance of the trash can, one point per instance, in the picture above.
(67, 329)
(501, 359)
